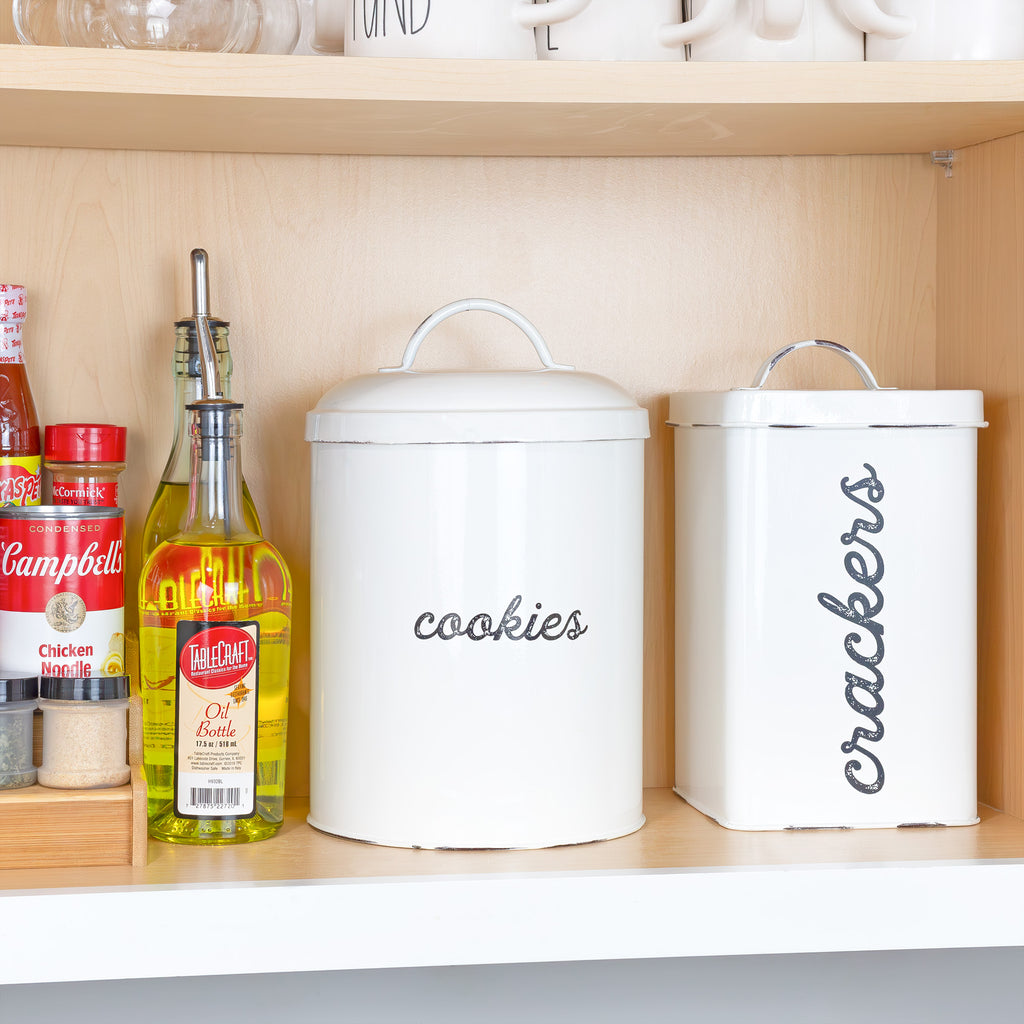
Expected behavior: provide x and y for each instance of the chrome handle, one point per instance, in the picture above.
(775, 358)
(461, 306)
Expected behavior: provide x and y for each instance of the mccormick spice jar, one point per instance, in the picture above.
(477, 581)
(826, 603)
(17, 704)
(84, 461)
(62, 590)
(85, 732)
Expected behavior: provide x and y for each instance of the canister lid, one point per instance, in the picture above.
(17, 689)
(83, 688)
(835, 409)
(874, 406)
(402, 406)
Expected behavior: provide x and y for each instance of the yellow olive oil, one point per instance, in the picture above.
(214, 643)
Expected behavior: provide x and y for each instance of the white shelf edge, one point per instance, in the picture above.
(346, 924)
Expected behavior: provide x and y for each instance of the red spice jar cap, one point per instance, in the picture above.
(85, 442)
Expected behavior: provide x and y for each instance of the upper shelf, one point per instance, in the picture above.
(117, 99)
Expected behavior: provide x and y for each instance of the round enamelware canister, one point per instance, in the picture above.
(477, 596)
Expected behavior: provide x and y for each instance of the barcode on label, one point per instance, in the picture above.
(211, 799)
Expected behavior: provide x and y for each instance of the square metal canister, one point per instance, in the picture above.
(826, 604)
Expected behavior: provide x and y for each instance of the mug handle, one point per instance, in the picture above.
(708, 20)
(778, 19)
(869, 17)
(460, 306)
(532, 15)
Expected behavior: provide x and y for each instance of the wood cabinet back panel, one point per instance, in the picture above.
(663, 274)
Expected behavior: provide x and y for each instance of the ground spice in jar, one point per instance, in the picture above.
(17, 705)
(84, 461)
(85, 732)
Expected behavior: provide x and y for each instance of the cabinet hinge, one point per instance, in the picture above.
(944, 158)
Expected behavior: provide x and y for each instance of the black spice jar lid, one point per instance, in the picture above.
(14, 689)
(83, 688)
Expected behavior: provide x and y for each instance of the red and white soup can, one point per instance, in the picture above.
(62, 590)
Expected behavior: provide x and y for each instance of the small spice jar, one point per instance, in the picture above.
(84, 460)
(85, 732)
(17, 704)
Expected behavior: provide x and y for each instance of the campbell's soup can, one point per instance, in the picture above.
(62, 590)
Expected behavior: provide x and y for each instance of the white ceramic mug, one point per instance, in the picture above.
(450, 28)
(954, 30)
(783, 29)
(610, 30)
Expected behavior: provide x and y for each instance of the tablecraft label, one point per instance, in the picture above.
(216, 719)
(865, 568)
(483, 626)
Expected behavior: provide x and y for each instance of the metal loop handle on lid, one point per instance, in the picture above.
(461, 306)
(761, 377)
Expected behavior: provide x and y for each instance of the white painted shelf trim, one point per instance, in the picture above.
(339, 924)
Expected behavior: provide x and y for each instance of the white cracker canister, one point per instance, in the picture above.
(826, 603)
(62, 590)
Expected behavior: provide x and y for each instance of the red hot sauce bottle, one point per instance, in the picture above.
(20, 454)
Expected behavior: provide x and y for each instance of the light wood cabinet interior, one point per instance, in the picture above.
(663, 272)
(666, 274)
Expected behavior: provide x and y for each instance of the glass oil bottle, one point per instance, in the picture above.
(169, 507)
(215, 633)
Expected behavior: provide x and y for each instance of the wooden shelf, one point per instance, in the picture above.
(116, 99)
(681, 886)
